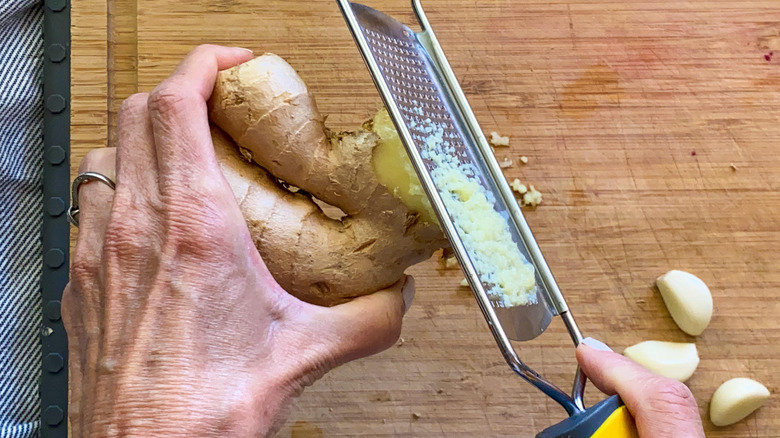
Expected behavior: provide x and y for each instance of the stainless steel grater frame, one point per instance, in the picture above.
(415, 80)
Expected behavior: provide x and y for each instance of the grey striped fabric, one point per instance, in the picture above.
(21, 161)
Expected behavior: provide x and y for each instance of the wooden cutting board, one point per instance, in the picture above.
(652, 128)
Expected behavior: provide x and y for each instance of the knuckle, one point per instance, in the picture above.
(127, 232)
(84, 269)
(68, 306)
(95, 160)
(673, 394)
(198, 220)
(204, 195)
(200, 227)
(666, 405)
(192, 220)
(125, 241)
(133, 104)
(169, 97)
(72, 313)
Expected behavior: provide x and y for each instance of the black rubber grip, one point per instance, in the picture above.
(584, 424)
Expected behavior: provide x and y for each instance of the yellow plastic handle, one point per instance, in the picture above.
(618, 425)
(608, 419)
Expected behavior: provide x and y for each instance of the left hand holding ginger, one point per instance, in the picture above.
(176, 327)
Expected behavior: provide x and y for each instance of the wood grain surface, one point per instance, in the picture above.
(652, 129)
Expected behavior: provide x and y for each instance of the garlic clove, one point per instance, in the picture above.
(688, 299)
(735, 399)
(670, 359)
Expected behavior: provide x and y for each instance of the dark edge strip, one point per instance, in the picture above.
(55, 232)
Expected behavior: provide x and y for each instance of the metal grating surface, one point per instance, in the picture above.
(405, 70)
(445, 143)
(416, 90)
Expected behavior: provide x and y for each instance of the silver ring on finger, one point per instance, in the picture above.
(73, 211)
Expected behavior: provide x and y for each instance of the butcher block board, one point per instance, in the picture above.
(652, 128)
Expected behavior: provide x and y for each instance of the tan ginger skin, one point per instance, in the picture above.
(266, 109)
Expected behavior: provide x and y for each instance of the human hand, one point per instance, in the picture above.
(660, 406)
(176, 327)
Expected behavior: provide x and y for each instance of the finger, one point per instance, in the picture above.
(661, 407)
(200, 67)
(364, 326)
(179, 114)
(95, 200)
(95, 203)
(136, 154)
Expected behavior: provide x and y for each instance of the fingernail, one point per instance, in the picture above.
(408, 293)
(248, 50)
(596, 344)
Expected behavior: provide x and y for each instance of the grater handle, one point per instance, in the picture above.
(607, 419)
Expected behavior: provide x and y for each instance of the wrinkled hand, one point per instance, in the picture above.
(176, 327)
(660, 406)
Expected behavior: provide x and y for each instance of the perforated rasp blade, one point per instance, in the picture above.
(424, 100)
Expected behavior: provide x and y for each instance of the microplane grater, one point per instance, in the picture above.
(419, 90)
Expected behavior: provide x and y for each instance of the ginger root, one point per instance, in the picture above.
(266, 109)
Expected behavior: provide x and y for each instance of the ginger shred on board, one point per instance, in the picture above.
(532, 197)
(518, 186)
(498, 140)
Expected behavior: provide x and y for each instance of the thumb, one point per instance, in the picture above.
(366, 325)
(662, 407)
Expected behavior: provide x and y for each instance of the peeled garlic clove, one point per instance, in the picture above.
(736, 399)
(688, 299)
(670, 359)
